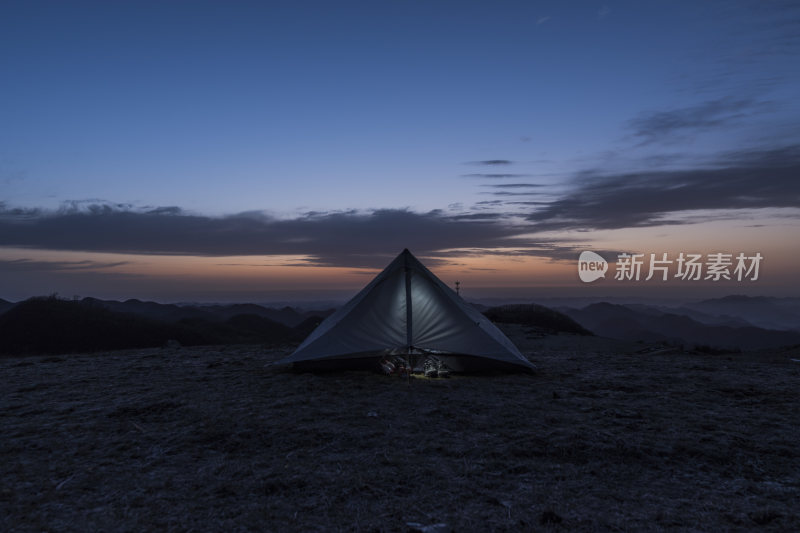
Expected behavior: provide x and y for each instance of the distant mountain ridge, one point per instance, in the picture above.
(761, 311)
(733, 322)
(651, 324)
(288, 316)
(52, 325)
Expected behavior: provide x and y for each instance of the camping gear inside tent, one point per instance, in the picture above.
(407, 312)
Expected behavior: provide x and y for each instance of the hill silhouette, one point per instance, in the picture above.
(649, 324)
(5, 305)
(762, 311)
(151, 310)
(216, 312)
(52, 325)
(539, 316)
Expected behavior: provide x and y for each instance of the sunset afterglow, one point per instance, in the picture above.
(274, 153)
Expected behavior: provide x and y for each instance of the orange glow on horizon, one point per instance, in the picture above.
(72, 272)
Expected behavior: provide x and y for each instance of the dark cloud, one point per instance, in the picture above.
(670, 125)
(479, 216)
(548, 248)
(513, 185)
(336, 238)
(17, 213)
(739, 180)
(512, 193)
(92, 206)
(167, 210)
(492, 162)
(29, 265)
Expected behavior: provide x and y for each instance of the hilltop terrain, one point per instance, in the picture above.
(606, 435)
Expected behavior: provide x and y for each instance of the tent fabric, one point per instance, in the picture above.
(404, 310)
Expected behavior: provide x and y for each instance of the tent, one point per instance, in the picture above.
(406, 311)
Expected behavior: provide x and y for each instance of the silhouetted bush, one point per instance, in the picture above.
(308, 325)
(48, 325)
(243, 329)
(713, 350)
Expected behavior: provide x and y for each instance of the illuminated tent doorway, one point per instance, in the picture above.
(408, 312)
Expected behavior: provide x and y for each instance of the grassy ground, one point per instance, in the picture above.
(600, 438)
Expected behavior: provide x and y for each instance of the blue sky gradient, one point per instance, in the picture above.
(499, 113)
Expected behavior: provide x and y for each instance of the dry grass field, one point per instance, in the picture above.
(601, 437)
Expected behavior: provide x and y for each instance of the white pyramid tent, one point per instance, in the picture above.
(408, 311)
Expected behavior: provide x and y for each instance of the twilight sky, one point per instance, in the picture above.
(255, 151)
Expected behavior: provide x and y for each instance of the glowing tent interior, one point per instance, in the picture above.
(407, 312)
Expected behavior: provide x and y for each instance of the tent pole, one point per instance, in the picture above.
(409, 314)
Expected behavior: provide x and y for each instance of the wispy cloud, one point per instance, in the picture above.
(739, 180)
(479, 216)
(513, 185)
(515, 193)
(94, 206)
(491, 162)
(550, 249)
(494, 176)
(28, 265)
(671, 125)
(18, 213)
